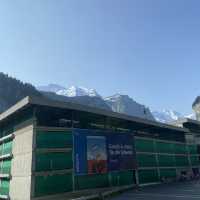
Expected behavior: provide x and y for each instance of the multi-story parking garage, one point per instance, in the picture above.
(49, 149)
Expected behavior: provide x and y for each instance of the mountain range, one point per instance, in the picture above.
(117, 102)
(168, 116)
(13, 90)
(72, 91)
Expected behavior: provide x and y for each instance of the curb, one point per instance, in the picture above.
(103, 195)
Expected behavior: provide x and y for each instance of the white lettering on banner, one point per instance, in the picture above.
(118, 149)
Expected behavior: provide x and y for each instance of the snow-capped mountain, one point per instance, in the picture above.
(167, 116)
(75, 91)
(117, 103)
(191, 116)
(126, 105)
(50, 88)
(72, 91)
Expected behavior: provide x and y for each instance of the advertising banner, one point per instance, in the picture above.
(120, 152)
(80, 149)
(98, 152)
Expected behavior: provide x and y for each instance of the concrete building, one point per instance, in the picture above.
(50, 149)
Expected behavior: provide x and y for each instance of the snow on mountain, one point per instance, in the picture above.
(50, 88)
(191, 116)
(124, 104)
(74, 91)
(118, 103)
(167, 116)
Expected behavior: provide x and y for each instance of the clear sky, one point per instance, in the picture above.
(149, 49)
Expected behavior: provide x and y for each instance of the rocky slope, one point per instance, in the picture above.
(117, 103)
(168, 116)
(125, 104)
(196, 107)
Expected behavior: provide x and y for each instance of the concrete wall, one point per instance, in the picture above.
(21, 168)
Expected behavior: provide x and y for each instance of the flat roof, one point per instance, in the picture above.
(43, 101)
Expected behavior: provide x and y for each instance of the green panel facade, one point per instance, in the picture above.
(180, 149)
(144, 145)
(148, 176)
(91, 181)
(122, 178)
(6, 147)
(54, 161)
(5, 166)
(194, 160)
(53, 153)
(54, 139)
(155, 159)
(1, 149)
(158, 153)
(182, 161)
(146, 160)
(53, 184)
(4, 187)
(164, 147)
(192, 149)
(166, 160)
(168, 173)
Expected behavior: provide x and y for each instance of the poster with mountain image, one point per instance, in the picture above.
(96, 154)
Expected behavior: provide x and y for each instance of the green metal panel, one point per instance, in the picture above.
(122, 178)
(164, 147)
(1, 149)
(91, 181)
(180, 149)
(146, 160)
(4, 187)
(144, 145)
(53, 161)
(181, 161)
(53, 184)
(115, 179)
(126, 177)
(7, 147)
(166, 160)
(194, 160)
(168, 173)
(148, 176)
(54, 139)
(192, 149)
(5, 166)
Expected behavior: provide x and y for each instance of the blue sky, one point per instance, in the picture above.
(149, 49)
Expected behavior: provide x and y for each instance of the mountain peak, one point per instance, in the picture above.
(168, 116)
(74, 91)
(50, 88)
(71, 91)
(118, 96)
(124, 104)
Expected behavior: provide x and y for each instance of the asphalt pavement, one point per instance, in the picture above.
(172, 191)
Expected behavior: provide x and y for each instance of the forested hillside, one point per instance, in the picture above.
(13, 90)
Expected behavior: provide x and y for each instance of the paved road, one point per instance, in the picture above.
(175, 191)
